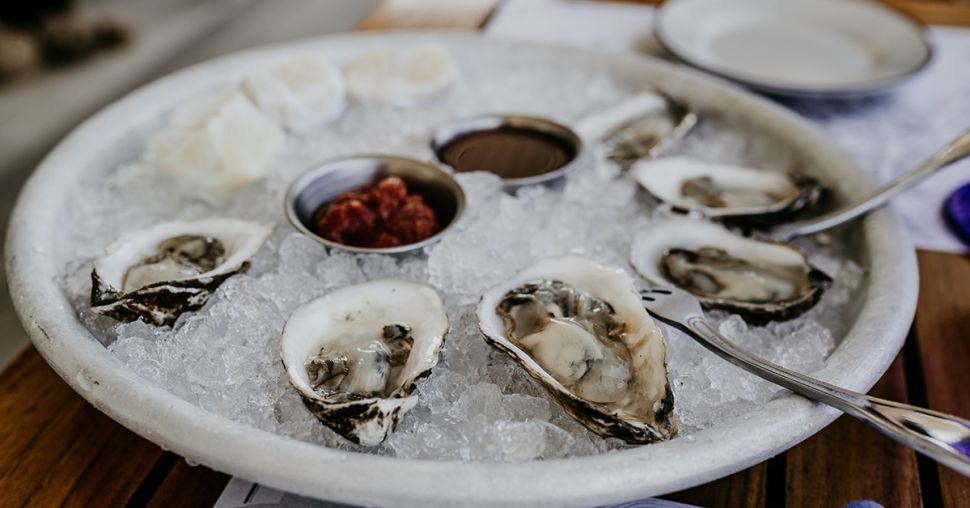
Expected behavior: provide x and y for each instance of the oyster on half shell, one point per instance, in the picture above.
(354, 355)
(579, 328)
(642, 126)
(734, 193)
(157, 274)
(763, 281)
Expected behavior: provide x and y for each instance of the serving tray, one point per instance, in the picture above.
(36, 256)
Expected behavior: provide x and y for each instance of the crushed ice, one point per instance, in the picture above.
(477, 404)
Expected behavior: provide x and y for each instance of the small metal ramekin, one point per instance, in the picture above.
(327, 180)
(467, 126)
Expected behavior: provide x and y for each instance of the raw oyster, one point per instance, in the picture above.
(731, 192)
(763, 281)
(579, 328)
(403, 76)
(300, 93)
(157, 274)
(354, 355)
(642, 126)
(216, 145)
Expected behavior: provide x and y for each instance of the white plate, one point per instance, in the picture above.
(36, 257)
(795, 47)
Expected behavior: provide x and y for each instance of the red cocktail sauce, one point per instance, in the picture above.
(378, 216)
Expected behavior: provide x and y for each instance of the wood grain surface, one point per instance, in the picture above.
(55, 449)
(851, 461)
(943, 334)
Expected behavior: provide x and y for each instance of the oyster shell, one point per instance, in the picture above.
(579, 328)
(354, 355)
(763, 281)
(723, 191)
(642, 126)
(157, 274)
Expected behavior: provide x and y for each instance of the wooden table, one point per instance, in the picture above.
(55, 448)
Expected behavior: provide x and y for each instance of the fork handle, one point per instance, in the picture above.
(942, 437)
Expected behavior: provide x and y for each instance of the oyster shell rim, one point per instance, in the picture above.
(128, 307)
(332, 413)
(176, 296)
(600, 419)
(756, 314)
(604, 127)
(811, 192)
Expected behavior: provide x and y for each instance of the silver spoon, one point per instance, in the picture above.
(942, 437)
(952, 152)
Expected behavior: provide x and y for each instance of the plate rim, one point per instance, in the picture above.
(860, 89)
(281, 462)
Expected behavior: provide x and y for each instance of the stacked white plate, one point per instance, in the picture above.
(818, 48)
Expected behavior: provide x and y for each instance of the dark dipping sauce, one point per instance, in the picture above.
(509, 152)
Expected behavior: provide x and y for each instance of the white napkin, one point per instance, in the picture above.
(885, 136)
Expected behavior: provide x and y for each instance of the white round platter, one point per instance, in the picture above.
(822, 48)
(35, 260)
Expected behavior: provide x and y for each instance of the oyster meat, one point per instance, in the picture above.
(763, 281)
(642, 126)
(354, 355)
(157, 274)
(723, 191)
(578, 327)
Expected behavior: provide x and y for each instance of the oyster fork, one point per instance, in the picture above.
(942, 437)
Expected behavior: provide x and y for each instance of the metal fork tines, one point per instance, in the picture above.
(942, 437)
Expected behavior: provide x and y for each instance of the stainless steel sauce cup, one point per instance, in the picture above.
(327, 180)
(543, 126)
